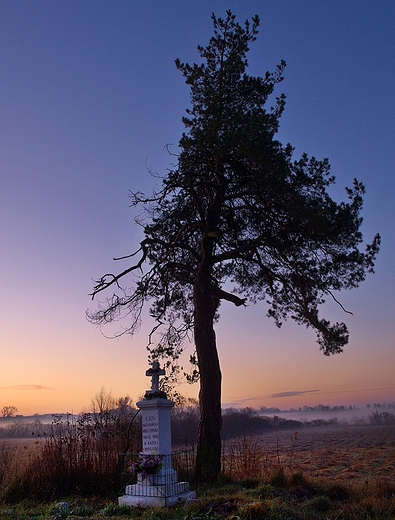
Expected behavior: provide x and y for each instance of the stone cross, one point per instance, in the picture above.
(161, 488)
(154, 373)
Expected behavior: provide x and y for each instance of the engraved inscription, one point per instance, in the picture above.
(150, 428)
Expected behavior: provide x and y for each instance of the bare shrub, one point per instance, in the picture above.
(246, 458)
(75, 457)
(184, 422)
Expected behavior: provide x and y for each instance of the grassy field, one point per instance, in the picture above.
(343, 472)
(360, 454)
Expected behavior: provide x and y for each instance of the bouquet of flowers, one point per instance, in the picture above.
(146, 464)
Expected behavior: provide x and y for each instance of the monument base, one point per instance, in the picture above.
(161, 489)
(156, 496)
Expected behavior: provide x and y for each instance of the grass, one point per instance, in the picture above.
(341, 473)
(232, 500)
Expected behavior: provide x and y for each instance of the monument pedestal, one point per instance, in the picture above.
(157, 490)
(160, 488)
(150, 494)
(159, 501)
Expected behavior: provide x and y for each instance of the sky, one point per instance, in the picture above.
(89, 99)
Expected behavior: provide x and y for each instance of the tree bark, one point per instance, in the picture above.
(208, 460)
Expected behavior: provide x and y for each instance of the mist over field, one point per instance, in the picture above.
(342, 414)
(355, 415)
(377, 413)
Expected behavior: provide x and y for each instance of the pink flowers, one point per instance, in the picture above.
(146, 464)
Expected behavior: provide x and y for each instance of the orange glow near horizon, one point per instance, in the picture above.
(255, 374)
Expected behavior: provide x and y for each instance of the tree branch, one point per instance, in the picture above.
(224, 295)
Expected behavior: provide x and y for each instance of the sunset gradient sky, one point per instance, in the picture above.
(89, 98)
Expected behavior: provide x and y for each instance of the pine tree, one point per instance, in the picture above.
(237, 219)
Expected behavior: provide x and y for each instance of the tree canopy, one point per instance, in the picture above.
(237, 219)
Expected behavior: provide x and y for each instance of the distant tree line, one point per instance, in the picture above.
(235, 423)
(120, 417)
(326, 408)
(23, 430)
(386, 418)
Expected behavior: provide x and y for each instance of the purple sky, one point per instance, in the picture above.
(89, 97)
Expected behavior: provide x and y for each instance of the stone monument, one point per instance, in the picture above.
(159, 487)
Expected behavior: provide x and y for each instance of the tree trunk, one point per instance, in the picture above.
(208, 460)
